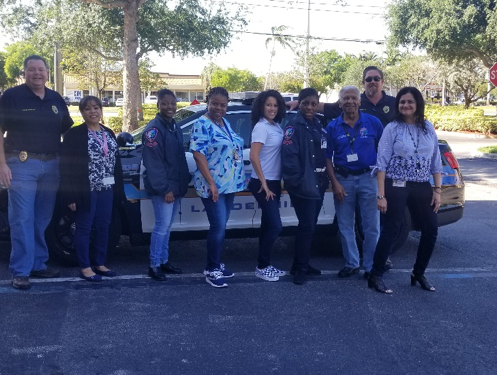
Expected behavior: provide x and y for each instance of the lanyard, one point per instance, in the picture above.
(223, 128)
(351, 141)
(414, 143)
(104, 144)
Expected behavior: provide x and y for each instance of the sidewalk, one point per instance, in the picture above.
(468, 143)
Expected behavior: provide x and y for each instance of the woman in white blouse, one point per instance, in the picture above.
(408, 155)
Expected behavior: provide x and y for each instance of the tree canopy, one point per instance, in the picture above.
(448, 29)
(126, 30)
(235, 80)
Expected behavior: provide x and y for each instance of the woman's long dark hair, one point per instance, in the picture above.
(419, 114)
(260, 101)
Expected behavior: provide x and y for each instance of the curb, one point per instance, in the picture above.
(466, 134)
(483, 155)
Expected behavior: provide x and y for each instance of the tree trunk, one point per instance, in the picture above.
(131, 79)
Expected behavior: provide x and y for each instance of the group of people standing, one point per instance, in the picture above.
(373, 169)
(366, 161)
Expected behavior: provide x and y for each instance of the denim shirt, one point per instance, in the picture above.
(407, 153)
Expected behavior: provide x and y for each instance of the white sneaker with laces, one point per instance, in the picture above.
(277, 271)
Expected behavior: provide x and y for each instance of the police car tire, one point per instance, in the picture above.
(60, 232)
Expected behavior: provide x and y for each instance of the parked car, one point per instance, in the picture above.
(136, 219)
(152, 99)
(119, 102)
(105, 102)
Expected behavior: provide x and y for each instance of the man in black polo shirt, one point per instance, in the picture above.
(34, 118)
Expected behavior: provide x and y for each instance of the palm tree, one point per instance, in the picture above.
(276, 38)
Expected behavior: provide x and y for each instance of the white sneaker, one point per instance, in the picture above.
(277, 271)
(266, 274)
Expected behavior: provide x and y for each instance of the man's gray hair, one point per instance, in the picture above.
(344, 89)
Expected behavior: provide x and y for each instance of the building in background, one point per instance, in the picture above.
(185, 87)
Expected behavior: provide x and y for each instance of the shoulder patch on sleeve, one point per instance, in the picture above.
(150, 136)
(287, 135)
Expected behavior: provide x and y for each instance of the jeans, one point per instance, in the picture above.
(218, 214)
(98, 218)
(164, 217)
(270, 219)
(361, 191)
(307, 211)
(32, 195)
(420, 193)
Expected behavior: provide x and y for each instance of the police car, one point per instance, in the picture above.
(136, 218)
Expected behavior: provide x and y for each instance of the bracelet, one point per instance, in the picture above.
(437, 187)
(436, 192)
(380, 197)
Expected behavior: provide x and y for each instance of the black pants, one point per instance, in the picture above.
(270, 218)
(420, 193)
(307, 211)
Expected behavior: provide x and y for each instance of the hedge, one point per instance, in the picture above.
(456, 118)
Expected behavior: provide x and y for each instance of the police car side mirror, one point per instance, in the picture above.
(124, 139)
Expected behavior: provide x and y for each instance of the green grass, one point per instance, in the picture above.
(488, 149)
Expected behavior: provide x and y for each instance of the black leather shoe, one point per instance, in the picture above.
(299, 277)
(108, 273)
(156, 274)
(21, 282)
(347, 271)
(388, 264)
(311, 271)
(47, 273)
(169, 268)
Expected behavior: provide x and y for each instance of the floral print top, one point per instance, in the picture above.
(99, 165)
(223, 149)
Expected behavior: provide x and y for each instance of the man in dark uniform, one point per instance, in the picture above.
(374, 101)
(34, 118)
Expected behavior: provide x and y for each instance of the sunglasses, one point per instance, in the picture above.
(370, 79)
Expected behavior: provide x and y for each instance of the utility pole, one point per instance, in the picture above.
(306, 58)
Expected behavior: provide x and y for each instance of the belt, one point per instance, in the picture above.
(320, 170)
(345, 172)
(24, 155)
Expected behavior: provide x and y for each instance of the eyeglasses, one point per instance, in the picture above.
(370, 79)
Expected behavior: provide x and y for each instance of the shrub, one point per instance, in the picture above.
(456, 118)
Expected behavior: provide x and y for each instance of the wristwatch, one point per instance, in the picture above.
(380, 197)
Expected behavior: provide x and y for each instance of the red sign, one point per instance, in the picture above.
(493, 74)
(195, 101)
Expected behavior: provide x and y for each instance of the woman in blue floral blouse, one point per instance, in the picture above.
(218, 152)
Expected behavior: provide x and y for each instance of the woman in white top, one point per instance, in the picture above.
(268, 109)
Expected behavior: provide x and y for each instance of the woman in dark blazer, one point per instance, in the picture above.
(91, 184)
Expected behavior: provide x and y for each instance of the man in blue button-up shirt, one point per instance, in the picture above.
(352, 147)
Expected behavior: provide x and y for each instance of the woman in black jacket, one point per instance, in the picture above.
(166, 179)
(303, 169)
(91, 184)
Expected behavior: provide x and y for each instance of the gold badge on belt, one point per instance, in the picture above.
(23, 156)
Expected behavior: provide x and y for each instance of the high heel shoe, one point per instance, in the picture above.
(378, 283)
(423, 281)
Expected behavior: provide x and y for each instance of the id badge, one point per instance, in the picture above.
(352, 157)
(108, 180)
(398, 183)
(324, 143)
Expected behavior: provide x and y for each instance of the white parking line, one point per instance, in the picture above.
(472, 270)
